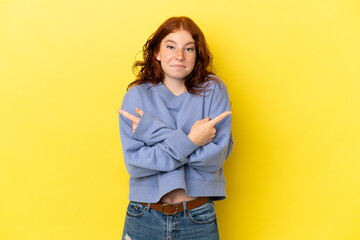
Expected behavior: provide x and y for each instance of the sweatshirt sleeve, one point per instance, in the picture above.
(211, 157)
(144, 160)
(152, 130)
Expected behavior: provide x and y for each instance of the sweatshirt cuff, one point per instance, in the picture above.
(180, 142)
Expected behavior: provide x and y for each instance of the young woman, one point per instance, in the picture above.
(175, 129)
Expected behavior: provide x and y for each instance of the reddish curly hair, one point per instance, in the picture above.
(150, 68)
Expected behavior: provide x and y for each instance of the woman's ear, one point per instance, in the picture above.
(158, 56)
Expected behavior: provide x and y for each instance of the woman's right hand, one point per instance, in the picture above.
(203, 131)
(135, 120)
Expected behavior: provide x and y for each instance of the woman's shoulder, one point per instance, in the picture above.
(139, 88)
(141, 92)
(215, 83)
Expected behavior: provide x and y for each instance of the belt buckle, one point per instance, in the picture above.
(169, 204)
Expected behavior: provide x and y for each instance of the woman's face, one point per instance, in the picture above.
(177, 55)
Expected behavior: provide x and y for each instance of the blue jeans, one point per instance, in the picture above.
(144, 223)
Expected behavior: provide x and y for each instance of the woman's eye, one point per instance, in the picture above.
(189, 49)
(171, 47)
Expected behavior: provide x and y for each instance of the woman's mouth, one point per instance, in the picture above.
(178, 66)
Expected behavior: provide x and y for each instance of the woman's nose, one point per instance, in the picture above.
(179, 55)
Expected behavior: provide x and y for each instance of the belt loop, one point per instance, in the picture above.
(184, 205)
(147, 208)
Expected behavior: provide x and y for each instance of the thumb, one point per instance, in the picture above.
(205, 119)
(139, 111)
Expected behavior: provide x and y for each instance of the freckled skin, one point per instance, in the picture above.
(177, 56)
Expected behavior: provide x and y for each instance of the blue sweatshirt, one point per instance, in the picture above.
(160, 157)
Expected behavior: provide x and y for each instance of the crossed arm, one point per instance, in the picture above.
(150, 146)
(202, 132)
(208, 156)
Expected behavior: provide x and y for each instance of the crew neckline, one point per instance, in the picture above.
(169, 94)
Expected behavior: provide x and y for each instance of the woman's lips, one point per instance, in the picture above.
(178, 66)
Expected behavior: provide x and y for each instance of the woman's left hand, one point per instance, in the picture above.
(135, 120)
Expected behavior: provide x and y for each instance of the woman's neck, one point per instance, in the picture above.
(177, 87)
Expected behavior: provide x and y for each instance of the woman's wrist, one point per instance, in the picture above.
(193, 140)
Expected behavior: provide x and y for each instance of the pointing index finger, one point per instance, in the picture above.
(219, 117)
(128, 116)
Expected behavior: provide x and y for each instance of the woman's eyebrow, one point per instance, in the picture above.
(192, 42)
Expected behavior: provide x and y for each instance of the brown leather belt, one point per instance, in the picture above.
(173, 208)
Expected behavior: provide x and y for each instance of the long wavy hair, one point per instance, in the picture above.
(150, 69)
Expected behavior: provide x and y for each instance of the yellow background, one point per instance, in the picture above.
(292, 69)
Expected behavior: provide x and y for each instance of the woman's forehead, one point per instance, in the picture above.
(179, 36)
